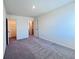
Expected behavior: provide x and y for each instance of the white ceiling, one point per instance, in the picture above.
(24, 7)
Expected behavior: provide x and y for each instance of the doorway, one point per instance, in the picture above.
(31, 27)
(11, 30)
(7, 31)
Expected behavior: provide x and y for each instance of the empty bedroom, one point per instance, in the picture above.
(39, 29)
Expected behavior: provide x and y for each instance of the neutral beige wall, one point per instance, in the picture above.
(58, 26)
(4, 29)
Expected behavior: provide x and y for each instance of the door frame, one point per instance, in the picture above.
(7, 32)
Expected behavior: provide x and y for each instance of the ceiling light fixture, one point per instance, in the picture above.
(33, 6)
